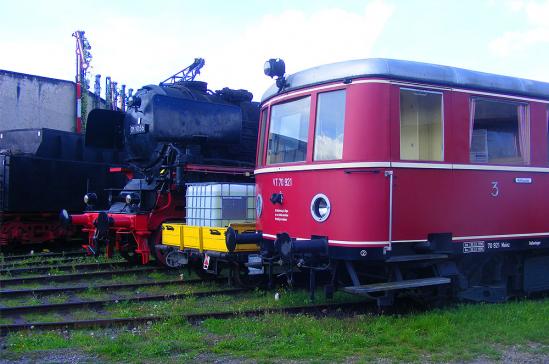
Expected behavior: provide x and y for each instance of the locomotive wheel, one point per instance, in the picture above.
(127, 251)
(131, 256)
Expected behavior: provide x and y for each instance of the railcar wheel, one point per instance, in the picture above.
(243, 279)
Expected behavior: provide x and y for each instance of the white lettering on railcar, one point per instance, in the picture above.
(495, 189)
(281, 215)
(474, 247)
(534, 243)
(282, 182)
(523, 180)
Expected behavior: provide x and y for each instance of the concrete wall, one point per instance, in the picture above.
(28, 101)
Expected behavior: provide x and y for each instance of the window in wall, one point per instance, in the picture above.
(262, 127)
(421, 132)
(288, 131)
(499, 132)
(330, 119)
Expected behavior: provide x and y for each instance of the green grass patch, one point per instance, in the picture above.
(58, 298)
(5, 321)
(42, 317)
(464, 333)
(245, 301)
(20, 301)
(160, 340)
(93, 294)
(85, 314)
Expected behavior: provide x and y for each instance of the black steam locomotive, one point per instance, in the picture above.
(173, 134)
(42, 171)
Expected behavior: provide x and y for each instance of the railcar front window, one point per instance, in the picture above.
(499, 132)
(421, 133)
(288, 131)
(330, 119)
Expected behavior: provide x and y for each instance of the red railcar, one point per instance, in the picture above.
(408, 175)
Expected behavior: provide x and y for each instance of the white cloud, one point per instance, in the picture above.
(536, 34)
(138, 50)
(303, 40)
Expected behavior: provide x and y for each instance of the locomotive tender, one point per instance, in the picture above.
(394, 175)
(41, 171)
(173, 134)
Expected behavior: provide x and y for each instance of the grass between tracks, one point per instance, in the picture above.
(461, 333)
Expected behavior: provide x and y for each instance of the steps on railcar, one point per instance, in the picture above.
(415, 258)
(392, 286)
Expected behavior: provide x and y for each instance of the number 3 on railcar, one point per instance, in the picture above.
(397, 175)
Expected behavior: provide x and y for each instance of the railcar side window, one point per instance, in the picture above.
(288, 131)
(421, 133)
(262, 126)
(330, 119)
(499, 132)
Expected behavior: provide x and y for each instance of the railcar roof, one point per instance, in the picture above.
(413, 71)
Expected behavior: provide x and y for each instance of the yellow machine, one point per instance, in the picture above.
(204, 238)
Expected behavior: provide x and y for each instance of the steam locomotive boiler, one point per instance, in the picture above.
(173, 133)
(42, 171)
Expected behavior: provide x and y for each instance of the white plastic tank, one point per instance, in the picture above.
(219, 204)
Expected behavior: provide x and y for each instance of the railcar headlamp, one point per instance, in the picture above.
(90, 198)
(274, 67)
(320, 207)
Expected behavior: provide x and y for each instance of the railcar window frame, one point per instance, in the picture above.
(442, 123)
(319, 121)
(305, 120)
(523, 145)
(263, 120)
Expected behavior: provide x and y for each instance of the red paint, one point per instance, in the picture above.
(425, 200)
(32, 228)
(139, 226)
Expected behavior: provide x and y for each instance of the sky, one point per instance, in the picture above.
(144, 42)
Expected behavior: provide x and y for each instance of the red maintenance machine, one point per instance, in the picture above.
(174, 133)
(395, 175)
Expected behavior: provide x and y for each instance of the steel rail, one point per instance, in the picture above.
(79, 288)
(77, 276)
(318, 310)
(63, 267)
(9, 258)
(17, 310)
(45, 262)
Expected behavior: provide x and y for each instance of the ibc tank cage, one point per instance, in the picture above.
(220, 204)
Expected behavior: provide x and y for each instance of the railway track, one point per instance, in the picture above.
(63, 267)
(31, 262)
(78, 276)
(12, 258)
(11, 311)
(318, 310)
(105, 287)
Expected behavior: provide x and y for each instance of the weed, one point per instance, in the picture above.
(21, 301)
(93, 294)
(42, 317)
(59, 298)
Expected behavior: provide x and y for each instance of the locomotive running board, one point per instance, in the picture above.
(415, 258)
(392, 286)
